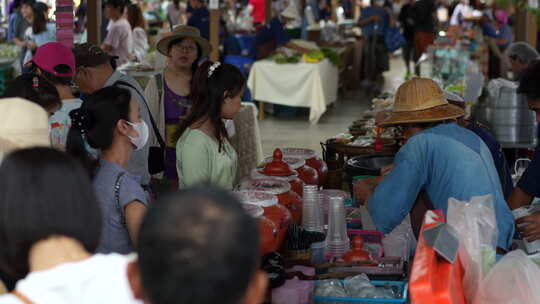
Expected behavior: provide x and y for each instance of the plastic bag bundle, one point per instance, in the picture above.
(515, 279)
(476, 225)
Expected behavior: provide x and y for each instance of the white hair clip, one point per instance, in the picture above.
(213, 67)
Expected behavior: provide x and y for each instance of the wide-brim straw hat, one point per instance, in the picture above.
(421, 100)
(184, 31)
(23, 124)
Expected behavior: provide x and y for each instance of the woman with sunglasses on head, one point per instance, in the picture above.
(109, 120)
(168, 93)
(204, 153)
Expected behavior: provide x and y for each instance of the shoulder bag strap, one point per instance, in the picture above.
(21, 297)
(154, 126)
(159, 84)
(117, 197)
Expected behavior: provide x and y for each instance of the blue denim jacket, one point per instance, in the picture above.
(447, 161)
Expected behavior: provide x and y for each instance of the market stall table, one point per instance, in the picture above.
(308, 85)
(337, 153)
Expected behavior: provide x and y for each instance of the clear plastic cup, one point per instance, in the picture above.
(312, 217)
(337, 240)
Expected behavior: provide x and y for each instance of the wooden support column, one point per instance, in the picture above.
(526, 27)
(334, 6)
(94, 22)
(214, 34)
(268, 11)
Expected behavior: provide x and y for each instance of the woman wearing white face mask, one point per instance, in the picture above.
(110, 121)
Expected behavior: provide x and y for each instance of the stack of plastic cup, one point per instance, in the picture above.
(312, 217)
(337, 241)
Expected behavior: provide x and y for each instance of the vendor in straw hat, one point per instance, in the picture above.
(167, 94)
(23, 124)
(499, 160)
(274, 35)
(440, 158)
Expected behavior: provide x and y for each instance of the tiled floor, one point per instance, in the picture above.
(298, 132)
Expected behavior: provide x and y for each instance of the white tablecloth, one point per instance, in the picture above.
(306, 85)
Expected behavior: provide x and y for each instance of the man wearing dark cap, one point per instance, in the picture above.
(96, 70)
(198, 246)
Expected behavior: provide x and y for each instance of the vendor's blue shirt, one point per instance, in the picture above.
(498, 158)
(530, 181)
(374, 28)
(200, 18)
(447, 161)
(274, 31)
(505, 32)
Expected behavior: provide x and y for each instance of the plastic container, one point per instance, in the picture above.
(531, 247)
(275, 212)
(280, 170)
(402, 286)
(388, 268)
(317, 252)
(370, 237)
(282, 189)
(311, 159)
(268, 234)
(307, 174)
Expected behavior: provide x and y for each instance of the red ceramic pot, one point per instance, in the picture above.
(282, 190)
(312, 160)
(357, 254)
(279, 169)
(307, 174)
(268, 233)
(278, 214)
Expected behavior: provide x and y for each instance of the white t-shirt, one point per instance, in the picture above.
(140, 44)
(99, 279)
(119, 36)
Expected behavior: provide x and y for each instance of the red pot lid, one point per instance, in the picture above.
(300, 152)
(278, 167)
(267, 185)
(260, 199)
(294, 162)
(258, 174)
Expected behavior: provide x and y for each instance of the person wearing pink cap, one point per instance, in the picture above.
(56, 63)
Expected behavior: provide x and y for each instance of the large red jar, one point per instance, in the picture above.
(280, 170)
(311, 159)
(275, 212)
(282, 190)
(307, 174)
(268, 233)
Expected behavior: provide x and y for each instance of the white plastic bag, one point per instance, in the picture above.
(515, 279)
(476, 225)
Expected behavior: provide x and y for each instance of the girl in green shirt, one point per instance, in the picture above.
(204, 153)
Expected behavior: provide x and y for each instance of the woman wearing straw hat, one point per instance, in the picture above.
(440, 158)
(167, 94)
